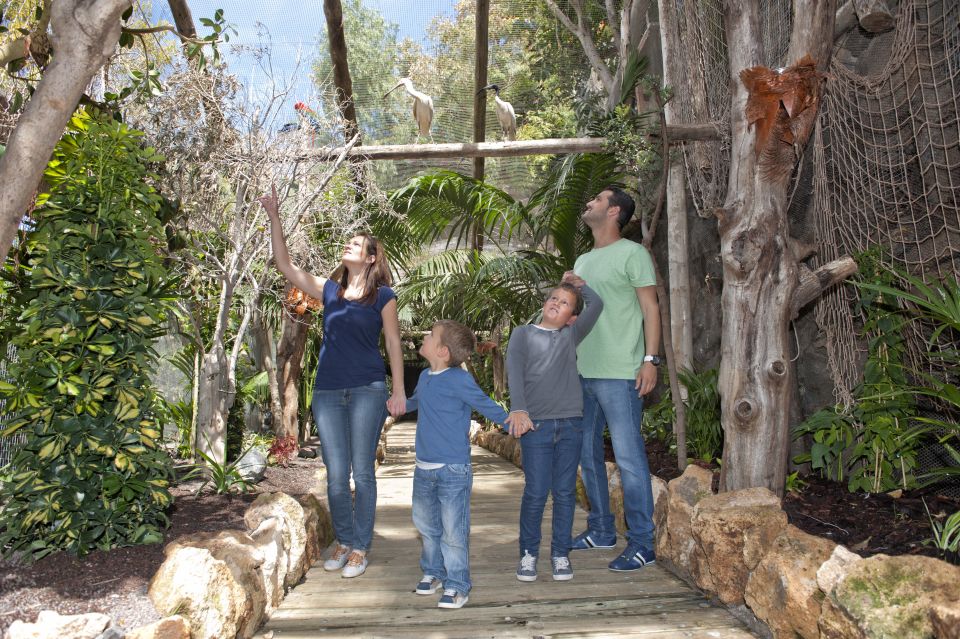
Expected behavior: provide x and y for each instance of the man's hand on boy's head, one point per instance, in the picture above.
(572, 278)
(518, 422)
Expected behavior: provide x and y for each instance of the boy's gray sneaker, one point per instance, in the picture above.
(527, 569)
(428, 585)
(562, 570)
(452, 599)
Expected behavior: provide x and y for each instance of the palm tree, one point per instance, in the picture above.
(529, 246)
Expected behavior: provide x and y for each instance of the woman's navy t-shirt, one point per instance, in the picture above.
(350, 355)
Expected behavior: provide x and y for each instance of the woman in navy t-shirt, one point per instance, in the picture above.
(350, 399)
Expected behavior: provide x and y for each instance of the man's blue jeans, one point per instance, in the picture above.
(349, 421)
(441, 512)
(551, 453)
(615, 403)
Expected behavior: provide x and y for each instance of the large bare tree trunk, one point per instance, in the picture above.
(264, 357)
(760, 272)
(290, 349)
(85, 34)
(217, 391)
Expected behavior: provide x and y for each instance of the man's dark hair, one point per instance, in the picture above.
(622, 199)
(573, 290)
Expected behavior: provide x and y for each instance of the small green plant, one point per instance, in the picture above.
(794, 484)
(263, 441)
(224, 478)
(946, 535)
(704, 430)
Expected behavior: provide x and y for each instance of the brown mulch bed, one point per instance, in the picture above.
(864, 523)
(115, 582)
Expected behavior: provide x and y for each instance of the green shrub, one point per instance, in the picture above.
(86, 303)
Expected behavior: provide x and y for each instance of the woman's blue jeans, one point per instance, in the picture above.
(551, 453)
(349, 422)
(614, 403)
(441, 513)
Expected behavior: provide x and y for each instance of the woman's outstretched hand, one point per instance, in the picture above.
(271, 203)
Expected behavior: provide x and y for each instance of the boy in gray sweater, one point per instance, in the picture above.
(546, 403)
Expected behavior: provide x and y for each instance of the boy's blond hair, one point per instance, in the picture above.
(457, 338)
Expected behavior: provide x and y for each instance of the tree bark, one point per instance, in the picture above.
(215, 399)
(183, 18)
(333, 12)
(482, 36)
(264, 357)
(760, 271)
(84, 35)
(290, 350)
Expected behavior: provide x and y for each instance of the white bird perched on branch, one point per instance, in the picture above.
(505, 113)
(422, 107)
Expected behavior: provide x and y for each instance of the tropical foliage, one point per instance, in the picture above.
(87, 299)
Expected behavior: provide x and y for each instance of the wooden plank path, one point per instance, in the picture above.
(649, 603)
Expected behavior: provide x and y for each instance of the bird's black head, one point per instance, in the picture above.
(490, 87)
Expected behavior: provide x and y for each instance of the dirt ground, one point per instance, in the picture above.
(115, 582)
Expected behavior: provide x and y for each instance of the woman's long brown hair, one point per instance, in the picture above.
(373, 275)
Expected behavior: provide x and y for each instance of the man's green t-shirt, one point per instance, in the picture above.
(615, 348)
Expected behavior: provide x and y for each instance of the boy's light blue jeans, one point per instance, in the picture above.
(614, 403)
(551, 453)
(349, 421)
(441, 512)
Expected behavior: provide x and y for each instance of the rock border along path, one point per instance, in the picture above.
(649, 603)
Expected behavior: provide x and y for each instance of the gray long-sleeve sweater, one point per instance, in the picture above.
(542, 365)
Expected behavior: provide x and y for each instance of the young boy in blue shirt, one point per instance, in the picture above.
(443, 477)
(546, 402)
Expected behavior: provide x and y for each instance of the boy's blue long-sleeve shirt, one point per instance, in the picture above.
(444, 401)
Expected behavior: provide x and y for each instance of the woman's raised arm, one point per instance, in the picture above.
(306, 282)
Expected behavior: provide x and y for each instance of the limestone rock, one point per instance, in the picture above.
(887, 596)
(834, 570)
(318, 526)
(660, 500)
(782, 591)
(174, 627)
(52, 625)
(674, 541)
(945, 620)
(271, 544)
(215, 581)
(834, 623)
(733, 532)
(252, 464)
(293, 527)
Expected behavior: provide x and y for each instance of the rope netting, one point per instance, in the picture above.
(888, 149)
(884, 167)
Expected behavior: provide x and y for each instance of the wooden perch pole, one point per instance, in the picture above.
(549, 146)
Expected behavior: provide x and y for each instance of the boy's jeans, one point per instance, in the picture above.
(551, 453)
(615, 403)
(349, 421)
(441, 512)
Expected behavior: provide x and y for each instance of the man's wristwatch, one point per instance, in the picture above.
(653, 359)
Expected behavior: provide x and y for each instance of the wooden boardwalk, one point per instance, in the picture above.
(649, 603)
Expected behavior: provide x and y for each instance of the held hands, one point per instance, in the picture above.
(646, 378)
(519, 423)
(397, 404)
(572, 278)
(271, 203)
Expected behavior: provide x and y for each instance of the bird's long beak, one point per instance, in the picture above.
(486, 88)
(398, 85)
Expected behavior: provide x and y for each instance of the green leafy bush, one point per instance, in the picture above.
(84, 306)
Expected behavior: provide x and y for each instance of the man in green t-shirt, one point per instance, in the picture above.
(618, 363)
